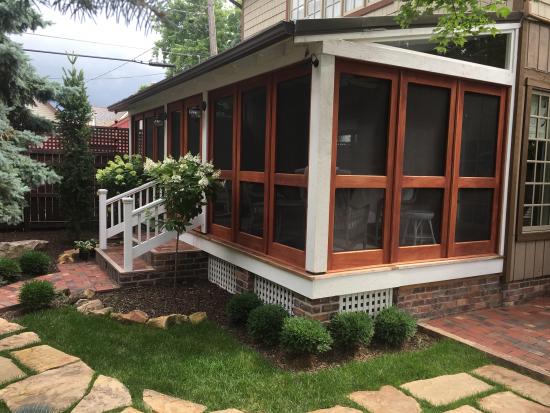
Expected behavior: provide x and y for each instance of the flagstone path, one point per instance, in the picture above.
(63, 380)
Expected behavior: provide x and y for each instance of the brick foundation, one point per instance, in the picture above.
(520, 291)
(245, 281)
(450, 297)
(320, 309)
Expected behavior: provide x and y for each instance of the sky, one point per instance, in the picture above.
(109, 87)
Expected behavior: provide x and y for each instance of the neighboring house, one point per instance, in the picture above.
(100, 116)
(44, 110)
(361, 169)
(123, 122)
(104, 117)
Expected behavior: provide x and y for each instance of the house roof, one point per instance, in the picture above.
(277, 33)
(44, 110)
(104, 117)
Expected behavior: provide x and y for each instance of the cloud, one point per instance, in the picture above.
(112, 86)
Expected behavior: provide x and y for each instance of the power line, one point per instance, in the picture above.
(119, 77)
(84, 41)
(141, 62)
(118, 67)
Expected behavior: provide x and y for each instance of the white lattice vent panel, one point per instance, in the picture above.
(271, 293)
(222, 274)
(371, 302)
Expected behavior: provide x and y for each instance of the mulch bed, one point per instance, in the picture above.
(201, 295)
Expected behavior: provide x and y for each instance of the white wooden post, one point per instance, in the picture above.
(320, 162)
(128, 206)
(102, 193)
(204, 152)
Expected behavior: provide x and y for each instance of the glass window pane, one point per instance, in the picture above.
(479, 134)
(358, 219)
(292, 141)
(160, 142)
(543, 110)
(176, 133)
(223, 133)
(138, 137)
(222, 206)
(363, 115)
(149, 128)
(252, 208)
(421, 212)
(290, 216)
(253, 124)
(474, 213)
(426, 130)
(194, 130)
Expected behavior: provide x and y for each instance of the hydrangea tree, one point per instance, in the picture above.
(187, 185)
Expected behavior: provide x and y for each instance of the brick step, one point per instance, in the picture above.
(154, 267)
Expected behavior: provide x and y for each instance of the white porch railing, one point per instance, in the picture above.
(139, 215)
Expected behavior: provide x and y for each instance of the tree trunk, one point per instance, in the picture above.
(212, 29)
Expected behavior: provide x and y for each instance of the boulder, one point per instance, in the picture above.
(14, 249)
(67, 256)
(88, 293)
(179, 318)
(135, 316)
(197, 318)
(80, 301)
(90, 306)
(166, 321)
(103, 311)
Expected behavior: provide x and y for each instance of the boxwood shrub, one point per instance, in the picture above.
(9, 270)
(36, 294)
(351, 330)
(393, 327)
(240, 305)
(35, 263)
(303, 336)
(265, 323)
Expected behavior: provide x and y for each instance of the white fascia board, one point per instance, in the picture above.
(410, 59)
(328, 285)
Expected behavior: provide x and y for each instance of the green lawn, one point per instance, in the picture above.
(204, 364)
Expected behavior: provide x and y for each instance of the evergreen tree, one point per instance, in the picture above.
(77, 168)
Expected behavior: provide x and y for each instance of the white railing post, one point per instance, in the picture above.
(127, 207)
(102, 193)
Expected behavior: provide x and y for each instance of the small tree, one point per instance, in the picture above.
(187, 185)
(77, 168)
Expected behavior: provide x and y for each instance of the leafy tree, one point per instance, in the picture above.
(184, 42)
(19, 128)
(77, 168)
(458, 19)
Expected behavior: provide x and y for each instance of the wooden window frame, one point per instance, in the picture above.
(144, 116)
(366, 8)
(459, 182)
(137, 118)
(347, 259)
(183, 106)
(533, 86)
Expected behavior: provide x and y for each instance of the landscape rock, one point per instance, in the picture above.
(116, 316)
(9, 371)
(519, 383)
(103, 311)
(131, 410)
(337, 409)
(508, 402)
(6, 327)
(67, 256)
(42, 358)
(80, 301)
(197, 318)
(464, 409)
(161, 403)
(14, 249)
(89, 306)
(18, 341)
(446, 389)
(135, 316)
(179, 318)
(88, 293)
(59, 388)
(387, 400)
(231, 411)
(107, 394)
(166, 321)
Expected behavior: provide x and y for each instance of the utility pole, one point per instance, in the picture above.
(212, 29)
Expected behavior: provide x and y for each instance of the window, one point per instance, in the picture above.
(148, 139)
(184, 127)
(297, 10)
(313, 9)
(415, 177)
(353, 4)
(536, 197)
(333, 8)
(137, 132)
(175, 134)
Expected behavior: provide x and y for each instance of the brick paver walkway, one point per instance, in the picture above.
(520, 334)
(75, 276)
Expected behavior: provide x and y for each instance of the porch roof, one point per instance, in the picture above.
(277, 33)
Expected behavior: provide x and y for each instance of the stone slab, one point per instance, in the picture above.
(59, 388)
(42, 358)
(386, 400)
(526, 386)
(337, 409)
(446, 389)
(107, 394)
(508, 402)
(18, 341)
(131, 410)
(9, 371)
(464, 409)
(161, 403)
(6, 327)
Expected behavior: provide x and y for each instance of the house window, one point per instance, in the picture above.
(184, 126)
(149, 138)
(298, 9)
(333, 8)
(137, 132)
(536, 208)
(175, 133)
(416, 177)
(313, 10)
(351, 5)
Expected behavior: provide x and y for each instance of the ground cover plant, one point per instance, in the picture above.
(208, 365)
